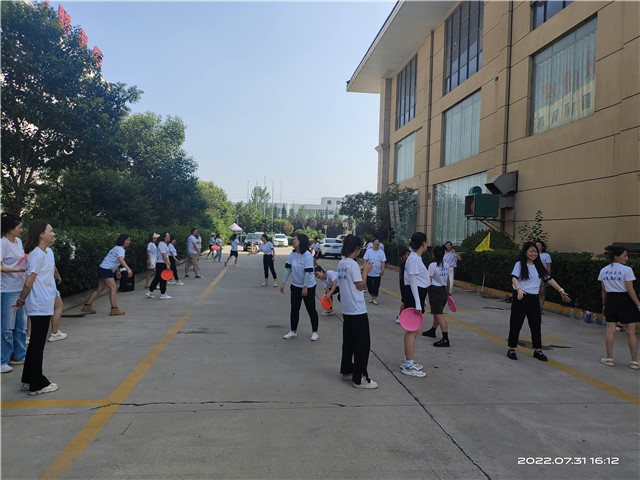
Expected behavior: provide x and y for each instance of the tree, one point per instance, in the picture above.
(302, 212)
(361, 207)
(406, 205)
(533, 232)
(58, 112)
(288, 228)
(219, 208)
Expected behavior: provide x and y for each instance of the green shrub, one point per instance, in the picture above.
(499, 241)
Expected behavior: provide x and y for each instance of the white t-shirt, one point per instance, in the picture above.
(451, 258)
(111, 261)
(370, 246)
(266, 248)
(415, 266)
(162, 248)
(12, 257)
(172, 250)
(614, 276)
(43, 294)
(211, 241)
(234, 245)
(199, 242)
(190, 248)
(531, 286)
(331, 276)
(545, 258)
(300, 262)
(439, 275)
(376, 258)
(219, 242)
(152, 249)
(316, 247)
(351, 299)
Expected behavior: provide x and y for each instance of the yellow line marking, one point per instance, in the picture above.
(94, 425)
(213, 284)
(594, 382)
(53, 403)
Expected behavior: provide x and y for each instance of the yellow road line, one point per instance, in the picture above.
(594, 382)
(53, 403)
(81, 441)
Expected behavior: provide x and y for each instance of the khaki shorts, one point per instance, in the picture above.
(192, 259)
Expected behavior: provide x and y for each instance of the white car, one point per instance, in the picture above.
(280, 240)
(331, 247)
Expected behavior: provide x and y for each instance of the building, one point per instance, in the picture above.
(536, 101)
(328, 205)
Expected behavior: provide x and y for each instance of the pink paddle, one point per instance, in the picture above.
(451, 303)
(410, 320)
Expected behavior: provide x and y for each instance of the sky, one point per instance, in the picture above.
(261, 86)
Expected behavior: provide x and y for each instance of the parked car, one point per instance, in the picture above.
(252, 241)
(280, 240)
(330, 247)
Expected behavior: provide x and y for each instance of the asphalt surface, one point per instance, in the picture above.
(203, 386)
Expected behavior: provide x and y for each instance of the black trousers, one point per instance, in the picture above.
(174, 269)
(267, 263)
(528, 307)
(373, 285)
(356, 343)
(32, 371)
(309, 303)
(160, 267)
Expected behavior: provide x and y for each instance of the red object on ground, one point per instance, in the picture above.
(166, 275)
(410, 320)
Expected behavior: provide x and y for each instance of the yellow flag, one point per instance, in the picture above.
(484, 244)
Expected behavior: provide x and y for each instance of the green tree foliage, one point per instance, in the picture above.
(406, 204)
(58, 112)
(361, 207)
(533, 232)
(499, 241)
(287, 228)
(219, 208)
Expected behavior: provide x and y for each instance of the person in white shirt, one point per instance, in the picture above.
(152, 256)
(110, 266)
(234, 250)
(173, 258)
(303, 285)
(219, 251)
(438, 293)
(369, 245)
(317, 248)
(545, 258)
(38, 296)
(416, 280)
(162, 264)
(212, 242)
(525, 280)
(619, 303)
(193, 254)
(376, 257)
(356, 339)
(268, 257)
(329, 280)
(14, 322)
(451, 258)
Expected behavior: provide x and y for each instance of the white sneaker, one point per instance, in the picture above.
(171, 282)
(275, 284)
(150, 295)
(417, 365)
(326, 313)
(314, 337)
(4, 368)
(346, 376)
(371, 300)
(52, 387)
(180, 283)
(57, 336)
(398, 320)
(413, 371)
(24, 387)
(164, 296)
(374, 301)
(264, 284)
(290, 335)
(364, 383)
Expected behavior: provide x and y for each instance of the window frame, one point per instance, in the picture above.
(406, 85)
(459, 25)
(536, 5)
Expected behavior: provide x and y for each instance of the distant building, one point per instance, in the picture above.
(328, 205)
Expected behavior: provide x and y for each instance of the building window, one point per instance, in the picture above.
(463, 44)
(543, 11)
(450, 224)
(461, 130)
(337, 202)
(564, 79)
(406, 93)
(404, 158)
(328, 202)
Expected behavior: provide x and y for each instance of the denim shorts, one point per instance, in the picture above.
(104, 273)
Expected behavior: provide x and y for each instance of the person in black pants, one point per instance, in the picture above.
(162, 264)
(303, 285)
(269, 256)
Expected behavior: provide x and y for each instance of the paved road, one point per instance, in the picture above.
(203, 386)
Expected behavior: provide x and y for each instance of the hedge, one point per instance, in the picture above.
(78, 268)
(577, 273)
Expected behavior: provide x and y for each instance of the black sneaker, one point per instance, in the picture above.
(444, 342)
(512, 355)
(429, 333)
(540, 356)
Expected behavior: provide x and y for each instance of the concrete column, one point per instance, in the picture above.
(385, 132)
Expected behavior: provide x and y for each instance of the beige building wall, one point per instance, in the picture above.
(584, 175)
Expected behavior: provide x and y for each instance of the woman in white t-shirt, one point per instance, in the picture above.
(451, 258)
(14, 323)
(218, 254)
(109, 267)
(212, 242)
(619, 303)
(152, 255)
(38, 296)
(173, 258)
(416, 281)
(525, 279)
(356, 340)
(438, 293)
(545, 258)
(329, 280)
(268, 258)
(162, 264)
(303, 285)
(234, 250)
(376, 257)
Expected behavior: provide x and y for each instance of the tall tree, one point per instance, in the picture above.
(406, 205)
(361, 207)
(58, 112)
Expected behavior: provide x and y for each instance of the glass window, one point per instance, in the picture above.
(404, 158)
(544, 10)
(461, 130)
(463, 44)
(449, 220)
(564, 73)
(406, 93)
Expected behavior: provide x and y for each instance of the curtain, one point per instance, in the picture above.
(462, 130)
(405, 154)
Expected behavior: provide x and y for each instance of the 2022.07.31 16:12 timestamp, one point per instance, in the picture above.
(568, 461)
